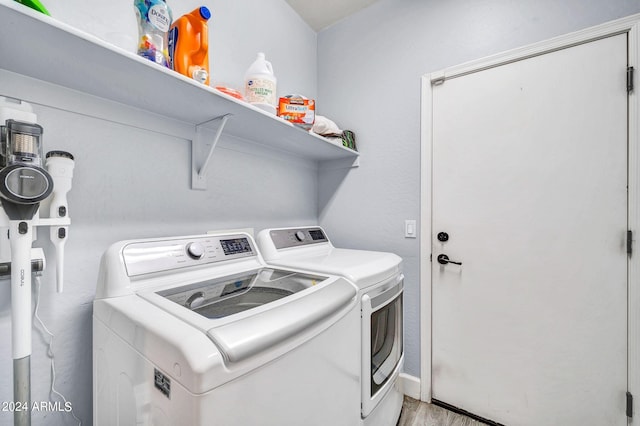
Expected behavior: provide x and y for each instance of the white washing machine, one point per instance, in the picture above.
(199, 330)
(378, 276)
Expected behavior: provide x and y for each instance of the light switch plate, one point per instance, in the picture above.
(410, 230)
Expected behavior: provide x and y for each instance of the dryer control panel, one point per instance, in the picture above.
(295, 237)
(150, 256)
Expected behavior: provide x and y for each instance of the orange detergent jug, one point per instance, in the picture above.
(189, 45)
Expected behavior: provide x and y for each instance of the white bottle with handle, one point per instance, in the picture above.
(260, 84)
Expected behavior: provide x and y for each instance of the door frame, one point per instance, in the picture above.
(629, 25)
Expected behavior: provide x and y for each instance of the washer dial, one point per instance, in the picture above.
(195, 250)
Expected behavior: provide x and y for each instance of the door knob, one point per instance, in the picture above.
(443, 259)
(443, 236)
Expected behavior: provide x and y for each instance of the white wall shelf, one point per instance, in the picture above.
(40, 47)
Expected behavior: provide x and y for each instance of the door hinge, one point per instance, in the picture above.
(630, 73)
(629, 242)
(629, 405)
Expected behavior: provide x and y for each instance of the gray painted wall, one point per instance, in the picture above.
(369, 68)
(132, 183)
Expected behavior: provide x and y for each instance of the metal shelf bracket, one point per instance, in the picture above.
(201, 145)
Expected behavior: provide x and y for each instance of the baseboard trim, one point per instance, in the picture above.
(410, 385)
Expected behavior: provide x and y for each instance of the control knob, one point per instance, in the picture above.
(300, 236)
(195, 250)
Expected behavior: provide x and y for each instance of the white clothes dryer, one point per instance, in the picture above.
(199, 330)
(378, 276)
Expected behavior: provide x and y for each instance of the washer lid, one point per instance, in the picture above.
(258, 312)
(363, 268)
(225, 296)
(299, 319)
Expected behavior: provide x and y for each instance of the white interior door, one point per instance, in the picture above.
(530, 184)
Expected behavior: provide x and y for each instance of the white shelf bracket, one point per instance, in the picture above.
(340, 164)
(200, 145)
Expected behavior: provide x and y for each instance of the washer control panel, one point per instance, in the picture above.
(165, 255)
(295, 237)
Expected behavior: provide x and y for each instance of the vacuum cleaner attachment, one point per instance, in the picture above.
(60, 166)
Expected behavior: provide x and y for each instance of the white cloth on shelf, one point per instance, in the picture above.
(324, 126)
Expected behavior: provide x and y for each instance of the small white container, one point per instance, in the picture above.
(260, 85)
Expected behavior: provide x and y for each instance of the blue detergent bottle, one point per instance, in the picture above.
(154, 21)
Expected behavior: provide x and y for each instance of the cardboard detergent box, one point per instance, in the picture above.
(298, 110)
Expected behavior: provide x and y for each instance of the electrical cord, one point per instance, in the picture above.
(50, 354)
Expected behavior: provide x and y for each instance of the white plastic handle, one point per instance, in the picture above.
(60, 267)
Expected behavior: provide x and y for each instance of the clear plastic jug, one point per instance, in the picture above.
(154, 21)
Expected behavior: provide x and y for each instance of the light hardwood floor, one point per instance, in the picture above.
(417, 413)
